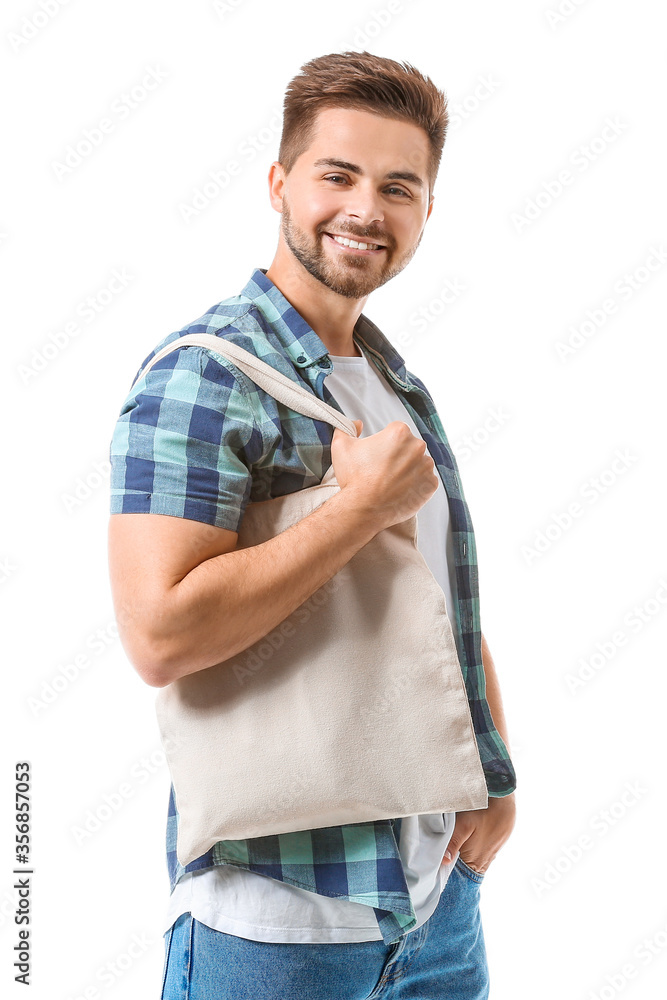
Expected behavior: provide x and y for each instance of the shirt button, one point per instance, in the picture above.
(324, 364)
(302, 357)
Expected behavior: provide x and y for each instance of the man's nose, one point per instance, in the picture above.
(364, 205)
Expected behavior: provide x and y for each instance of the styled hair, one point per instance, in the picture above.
(361, 81)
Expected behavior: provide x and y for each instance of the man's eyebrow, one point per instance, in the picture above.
(395, 175)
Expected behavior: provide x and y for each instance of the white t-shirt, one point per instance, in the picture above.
(261, 908)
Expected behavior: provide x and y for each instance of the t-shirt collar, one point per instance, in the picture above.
(300, 341)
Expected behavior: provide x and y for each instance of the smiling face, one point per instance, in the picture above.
(364, 179)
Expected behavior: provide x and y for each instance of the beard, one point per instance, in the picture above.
(349, 275)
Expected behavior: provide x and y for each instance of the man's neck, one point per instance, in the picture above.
(331, 316)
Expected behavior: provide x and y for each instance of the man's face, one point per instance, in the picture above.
(364, 178)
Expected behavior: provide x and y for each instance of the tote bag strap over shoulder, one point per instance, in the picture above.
(282, 388)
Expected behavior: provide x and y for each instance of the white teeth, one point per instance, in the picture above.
(353, 243)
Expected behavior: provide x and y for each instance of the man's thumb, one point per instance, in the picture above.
(452, 847)
(337, 431)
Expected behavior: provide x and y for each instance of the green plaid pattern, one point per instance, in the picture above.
(196, 438)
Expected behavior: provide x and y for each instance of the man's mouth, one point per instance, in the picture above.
(358, 245)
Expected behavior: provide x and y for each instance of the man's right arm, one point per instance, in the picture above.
(182, 454)
(186, 598)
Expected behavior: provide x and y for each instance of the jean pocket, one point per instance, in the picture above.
(167, 945)
(469, 872)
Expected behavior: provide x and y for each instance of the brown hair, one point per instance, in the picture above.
(362, 82)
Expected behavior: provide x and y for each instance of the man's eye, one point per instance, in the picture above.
(333, 177)
(398, 191)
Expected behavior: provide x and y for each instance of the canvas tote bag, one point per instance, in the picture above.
(352, 709)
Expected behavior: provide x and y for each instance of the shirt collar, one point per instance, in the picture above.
(301, 342)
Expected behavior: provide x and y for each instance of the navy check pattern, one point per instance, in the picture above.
(196, 438)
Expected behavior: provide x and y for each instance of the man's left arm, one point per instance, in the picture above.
(493, 693)
(480, 833)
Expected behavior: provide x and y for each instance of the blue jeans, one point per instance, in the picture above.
(444, 959)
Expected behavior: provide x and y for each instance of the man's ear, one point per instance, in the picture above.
(430, 209)
(276, 185)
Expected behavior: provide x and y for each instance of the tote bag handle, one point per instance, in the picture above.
(282, 388)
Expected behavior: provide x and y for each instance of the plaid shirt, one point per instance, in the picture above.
(195, 438)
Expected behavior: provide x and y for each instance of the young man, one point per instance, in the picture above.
(361, 144)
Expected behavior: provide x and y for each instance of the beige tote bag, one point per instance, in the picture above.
(352, 709)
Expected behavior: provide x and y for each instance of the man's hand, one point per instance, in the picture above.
(390, 473)
(480, 833)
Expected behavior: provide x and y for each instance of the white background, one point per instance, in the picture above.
(531, 93)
